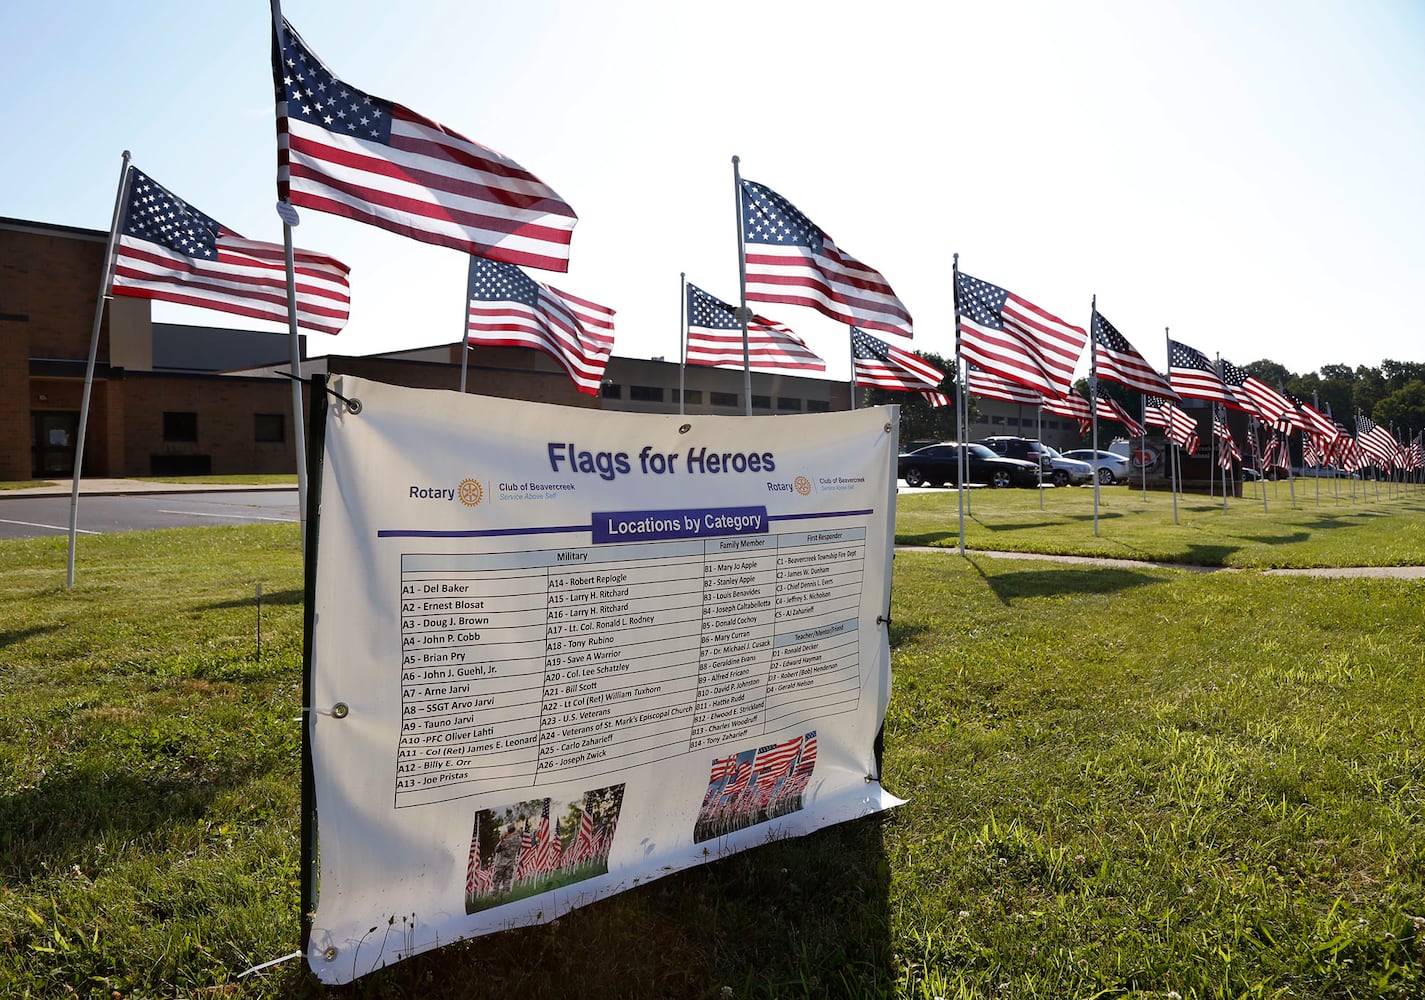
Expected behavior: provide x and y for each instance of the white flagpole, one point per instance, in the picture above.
(289, 217)
(962, 460)
(465, 323)
(104, 293)
(851, 354)
(1093, 404)
(1143, 441)
(742, 285)
(683, 341)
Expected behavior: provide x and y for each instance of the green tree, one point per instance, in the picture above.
(919, 420)
(1368, 389)
(1270, 372)
(1399, 374)
(1403, 410)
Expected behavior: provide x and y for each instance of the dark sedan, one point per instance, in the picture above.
(938, 464)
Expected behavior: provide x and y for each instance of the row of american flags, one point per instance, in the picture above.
(344, 151)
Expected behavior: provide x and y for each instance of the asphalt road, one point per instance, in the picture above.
(47, 516)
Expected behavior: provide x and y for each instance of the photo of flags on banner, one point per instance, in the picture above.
(754, 786)
(170, 251)
(346, 152)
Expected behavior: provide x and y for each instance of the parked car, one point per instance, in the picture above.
(938, 464)
(1058, 470)
(1109, 466)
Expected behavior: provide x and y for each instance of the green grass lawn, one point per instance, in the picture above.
(1134, 526)
(1121, 782)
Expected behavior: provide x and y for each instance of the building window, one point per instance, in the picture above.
(786, 403)
(724, 399)
(997, 421)
(269, 427)
(611, 390)
(1012, 421)
(818, 406)
(693, 396)
(180, 425)
(646, 393)
(761, 402)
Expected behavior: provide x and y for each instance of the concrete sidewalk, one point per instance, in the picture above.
(120, 487)
(1379, 572)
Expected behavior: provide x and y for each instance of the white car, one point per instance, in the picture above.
(1110, 467)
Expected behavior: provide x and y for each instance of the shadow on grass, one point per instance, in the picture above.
(901, 634)
(293, 596)
(803, 917)
(48, 825)
(1082, 579)
(21, 634)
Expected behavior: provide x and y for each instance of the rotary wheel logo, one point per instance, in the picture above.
(802, 485)
(471, 492)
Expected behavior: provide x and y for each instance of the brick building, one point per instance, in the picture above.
(170, 399)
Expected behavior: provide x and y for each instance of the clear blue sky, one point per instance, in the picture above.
(1247, 174)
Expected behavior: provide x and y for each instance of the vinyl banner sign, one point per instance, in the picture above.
(557, 652)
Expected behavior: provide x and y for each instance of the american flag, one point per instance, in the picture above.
(990, 386)
(525, 867)
(583, 848)
(1071, 404)
(1194, 376)
(1376, 442)
(875, 362)
(790, 260)
(806, 763)
(715, 338)
(1116, 360)
(1310, 453)
(168, 250)
(1227, 448)
(775, 761)
(1175, 421)
(477, 877)
(510, 309)
(1109, 408)
(542, 845)
(346, 152)
(1014, 338)
(1255, 396)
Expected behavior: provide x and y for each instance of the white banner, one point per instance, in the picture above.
(558, 652)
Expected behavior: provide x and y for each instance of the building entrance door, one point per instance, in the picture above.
(52, 443)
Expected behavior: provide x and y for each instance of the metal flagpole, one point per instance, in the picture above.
(104, 293)
(289, 218)
(962, 407)
(742, 284)
(683, 339)
(851, 348)
(1261, 475)
(1174, 470)
(1290, 476)
(465, 322)
(1093, 404)
(1143, 440)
